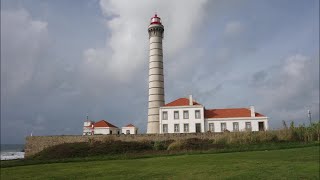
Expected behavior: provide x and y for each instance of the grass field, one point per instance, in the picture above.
(297, 163)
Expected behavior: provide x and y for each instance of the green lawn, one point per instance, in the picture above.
(298, 163)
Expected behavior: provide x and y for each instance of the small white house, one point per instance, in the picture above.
(104, 127)
(187, 116)
(129, 129)
(88, 127)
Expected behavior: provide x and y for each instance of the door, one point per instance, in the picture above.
(198, 127)
(261, 126)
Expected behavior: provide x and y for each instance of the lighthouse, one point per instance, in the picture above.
(156, 80)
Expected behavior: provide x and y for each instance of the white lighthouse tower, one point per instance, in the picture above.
(156, 80)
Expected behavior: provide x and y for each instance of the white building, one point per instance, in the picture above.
(88, 127)
(100, 127)
(129, 129)
(104, 127)
(187, 116)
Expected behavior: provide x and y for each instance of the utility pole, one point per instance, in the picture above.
(309, 116)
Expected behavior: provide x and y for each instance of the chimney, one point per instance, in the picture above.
(190, 100)
(253, 113)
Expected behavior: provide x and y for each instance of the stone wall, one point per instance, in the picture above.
(35, 144)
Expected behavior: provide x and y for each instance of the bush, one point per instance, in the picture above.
(193, 144)
(70, 150)
(161, 145)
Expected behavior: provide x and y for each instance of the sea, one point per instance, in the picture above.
(12, 151)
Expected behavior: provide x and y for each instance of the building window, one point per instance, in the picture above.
(164, 115)
(176, 114)
(197, 113)
(185, 128)
(235, 126)
(223, 127)
(248, 126)
(127, 131)
(185, 114)
(165, 128)
(176, 128)
(211, 127)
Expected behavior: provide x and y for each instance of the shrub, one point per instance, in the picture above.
(161, 145)
(193, 144)
(92, 148)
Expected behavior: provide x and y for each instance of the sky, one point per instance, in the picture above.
(61, 60)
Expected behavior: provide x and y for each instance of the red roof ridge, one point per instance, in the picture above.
(130, 125)
(181, 102)
(104, 123)
(230, 113)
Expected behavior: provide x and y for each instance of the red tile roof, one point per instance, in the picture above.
(181, 102)
(104, 123)
(130, 125)
(229, 113)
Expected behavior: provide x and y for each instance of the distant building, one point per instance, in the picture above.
(100, 127)
(104, 127)
(88, 127)
(188, 116)
(129, 129)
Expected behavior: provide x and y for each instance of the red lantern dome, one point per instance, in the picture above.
(155, 20)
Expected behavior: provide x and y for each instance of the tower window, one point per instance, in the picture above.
(176, 114)
(185, 114)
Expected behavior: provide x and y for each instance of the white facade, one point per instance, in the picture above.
(106, 130)
(129, 130)
(186, 122)
(99, 128)
(231, 124)
(190, 118)
(88, 128)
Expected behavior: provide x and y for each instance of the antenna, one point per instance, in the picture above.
(309, 116)
(87, 116)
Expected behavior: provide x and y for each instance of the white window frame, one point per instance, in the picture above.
(235, 128)
(248, 128)
(164, 115)
(165, 128)
(186, 127)
(211, 127)
(197, 114)
(185, 114)
(176, 128)
(175, 113)
(225, 126)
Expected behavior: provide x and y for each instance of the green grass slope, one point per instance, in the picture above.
(298, 163)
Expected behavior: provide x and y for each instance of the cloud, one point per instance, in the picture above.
(295, 65)
(234, 28)
(291, 89)
(128, 43)
(23, 42)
